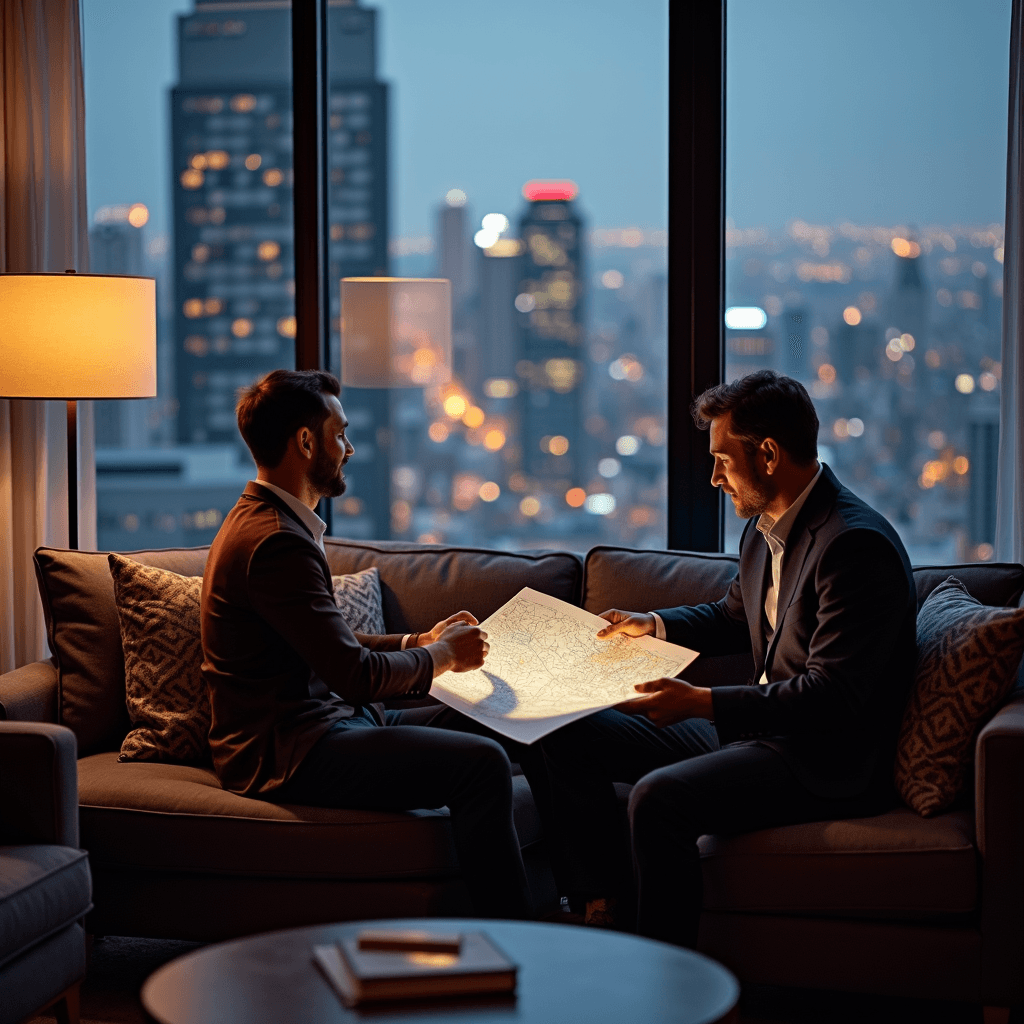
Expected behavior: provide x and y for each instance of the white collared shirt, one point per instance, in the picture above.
(776, 532)
(307, 516)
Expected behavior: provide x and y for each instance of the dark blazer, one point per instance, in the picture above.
(841, 659)
(275, 646)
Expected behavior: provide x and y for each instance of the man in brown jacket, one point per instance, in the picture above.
(291, 686)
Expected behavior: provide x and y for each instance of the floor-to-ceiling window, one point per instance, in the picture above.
(865, 182)
(519, 151)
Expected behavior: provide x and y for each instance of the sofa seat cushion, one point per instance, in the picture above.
(43, 889)
(895, 866)
(152, 816)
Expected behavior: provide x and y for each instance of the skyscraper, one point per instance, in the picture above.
(231, 116)
(551, 320)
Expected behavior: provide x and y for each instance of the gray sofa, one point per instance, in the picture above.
(892, 904)
(44, 877)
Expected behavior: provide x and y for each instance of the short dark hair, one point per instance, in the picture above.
(273, 408)
(764, 404)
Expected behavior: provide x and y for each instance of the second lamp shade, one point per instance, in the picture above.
(395, 332)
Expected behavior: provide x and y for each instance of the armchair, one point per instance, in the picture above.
(45, 885)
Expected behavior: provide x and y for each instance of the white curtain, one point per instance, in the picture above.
(43, 227)
(1010, 498)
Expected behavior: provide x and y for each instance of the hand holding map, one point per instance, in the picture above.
(546, 667)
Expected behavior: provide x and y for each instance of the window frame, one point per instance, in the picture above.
(696, 240)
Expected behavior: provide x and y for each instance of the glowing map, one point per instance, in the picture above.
(546, 667)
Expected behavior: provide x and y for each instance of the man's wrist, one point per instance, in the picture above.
(441, 655)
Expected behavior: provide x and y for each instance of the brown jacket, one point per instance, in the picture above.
(275, 646)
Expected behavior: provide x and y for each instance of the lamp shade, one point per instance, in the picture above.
(72, 336)
(396, 331)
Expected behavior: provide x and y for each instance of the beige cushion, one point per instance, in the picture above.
(968, 656)
(163, 658)
(358, 596)
(146, 815)
(892, 866)
(84, 635)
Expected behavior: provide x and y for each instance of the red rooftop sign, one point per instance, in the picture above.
(537, 190)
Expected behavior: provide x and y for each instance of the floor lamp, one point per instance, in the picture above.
(77, 336)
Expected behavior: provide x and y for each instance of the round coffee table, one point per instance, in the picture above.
(566, 974)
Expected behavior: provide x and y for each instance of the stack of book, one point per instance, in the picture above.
(379, 965)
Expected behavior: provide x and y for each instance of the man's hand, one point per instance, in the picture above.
(627, 624)
(668, 701)
(435, 634)
(460, 648)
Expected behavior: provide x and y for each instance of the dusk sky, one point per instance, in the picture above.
(873, 111)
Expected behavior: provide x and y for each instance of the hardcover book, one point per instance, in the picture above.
(362, 975)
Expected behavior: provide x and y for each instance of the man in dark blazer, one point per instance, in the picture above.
(824, 601)
(293, 690)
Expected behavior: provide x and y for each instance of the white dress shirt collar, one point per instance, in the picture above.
(307, 516)
(780, 528)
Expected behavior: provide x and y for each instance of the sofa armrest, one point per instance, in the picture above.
(38, 784)
(29, 693)
(999, 803)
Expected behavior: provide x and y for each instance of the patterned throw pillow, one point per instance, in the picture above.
(166, 696)
(968, 656)
(358, 597)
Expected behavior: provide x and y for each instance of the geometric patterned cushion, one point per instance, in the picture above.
(163, 655)
(968, 656)
(358, 596)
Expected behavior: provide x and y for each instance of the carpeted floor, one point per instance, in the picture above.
(119, 966)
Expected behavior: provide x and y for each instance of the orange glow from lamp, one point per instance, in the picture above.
(396, 332)
(77, 336)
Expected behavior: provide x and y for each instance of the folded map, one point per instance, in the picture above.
(546, 667)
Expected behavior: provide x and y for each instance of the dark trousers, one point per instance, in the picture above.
(426, 757)
(686, 786)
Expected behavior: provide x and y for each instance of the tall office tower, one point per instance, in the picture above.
(794, 357)
(906, 308)
(454, 261)
(231, 118)
(115, 247)
(983, 459)
(550, 302)
(854, 349)
(453, 246)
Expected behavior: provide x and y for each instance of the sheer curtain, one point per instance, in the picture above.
(1010, 500)
(43, 227)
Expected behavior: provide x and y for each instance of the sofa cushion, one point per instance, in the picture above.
(643, 581)
(996, 583)
(42, 890)
(146, 815)
(84, 636)
(163, 658)
(968, 657)
(424, 583)
(357, 594)
(894, 866)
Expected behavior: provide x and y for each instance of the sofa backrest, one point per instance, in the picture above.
(77, 592)
(420, 584)
(643, 581)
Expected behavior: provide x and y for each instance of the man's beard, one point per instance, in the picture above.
(754, 499)
(326, 476)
